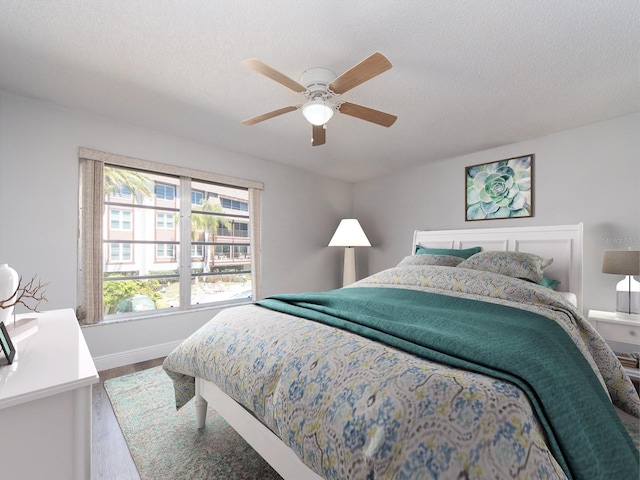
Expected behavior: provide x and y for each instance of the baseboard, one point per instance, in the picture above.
(121, 359)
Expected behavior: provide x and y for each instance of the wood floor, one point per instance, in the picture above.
(110, 457)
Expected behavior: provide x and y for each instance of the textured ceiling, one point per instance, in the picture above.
(467, 74)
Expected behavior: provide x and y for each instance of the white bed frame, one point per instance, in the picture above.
(563, 243)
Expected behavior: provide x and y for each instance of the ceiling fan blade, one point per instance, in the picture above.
(267, 71)
(318, 135)
(365, 70)
(368, 114)
(267, 116)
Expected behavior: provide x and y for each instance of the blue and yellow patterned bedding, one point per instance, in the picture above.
(354, 408)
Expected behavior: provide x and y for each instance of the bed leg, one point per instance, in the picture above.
(201, 406)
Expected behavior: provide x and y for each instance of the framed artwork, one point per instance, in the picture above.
(502, 189)
(5, 343)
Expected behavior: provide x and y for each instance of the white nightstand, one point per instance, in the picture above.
(45, 400)
(619, 327)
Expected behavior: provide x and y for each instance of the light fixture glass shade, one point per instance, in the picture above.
(318, 111)
(349, 234)
(627, 263)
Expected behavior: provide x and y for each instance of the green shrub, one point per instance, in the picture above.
(115, 292)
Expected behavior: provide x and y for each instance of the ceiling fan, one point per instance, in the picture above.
(319, 85)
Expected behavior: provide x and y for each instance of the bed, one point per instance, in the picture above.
(506, 379)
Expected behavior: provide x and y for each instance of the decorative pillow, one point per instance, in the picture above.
(462, 253)
(430, 259)
(526, 266)
(549, 283)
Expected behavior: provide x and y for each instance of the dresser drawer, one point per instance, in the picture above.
(619, 332)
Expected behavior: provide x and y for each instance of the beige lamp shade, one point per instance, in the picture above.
(621, 262)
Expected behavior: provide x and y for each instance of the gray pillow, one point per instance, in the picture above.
(429, 259)
(526, 266)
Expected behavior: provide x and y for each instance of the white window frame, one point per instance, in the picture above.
(117, 215)
(166, 187)
(163, 248)
(197, 251)
(167, 222)
(119, 257)
(196, 193)
(91, 205)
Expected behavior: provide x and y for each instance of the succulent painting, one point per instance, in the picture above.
(500, 189)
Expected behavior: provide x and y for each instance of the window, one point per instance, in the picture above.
(165, 192)
(197, 251)
(234, 204)
(197, 197)
(121, 191)
(137, 243)
(224, 231)
(240, 229)
(164, 221)
(120, 252)
(120, 219)
(165, 251)
(241, 252)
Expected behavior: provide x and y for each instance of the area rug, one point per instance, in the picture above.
(166, 445)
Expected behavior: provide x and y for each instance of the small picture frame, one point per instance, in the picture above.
(5, 342)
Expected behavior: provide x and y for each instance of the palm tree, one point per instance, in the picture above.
(207, 225)
(116, 178)
(114, 181)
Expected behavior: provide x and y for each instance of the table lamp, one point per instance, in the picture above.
(624, 262)
(349, 234)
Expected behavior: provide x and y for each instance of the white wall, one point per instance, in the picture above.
(39, 219)
(589, 174)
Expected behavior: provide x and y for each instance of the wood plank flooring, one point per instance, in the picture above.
(110, 457)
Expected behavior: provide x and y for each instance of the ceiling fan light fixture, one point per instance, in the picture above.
(317, 111)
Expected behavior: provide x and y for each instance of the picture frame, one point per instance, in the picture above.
(499, 190)
(6, 344)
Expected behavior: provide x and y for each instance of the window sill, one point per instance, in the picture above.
(169, 312)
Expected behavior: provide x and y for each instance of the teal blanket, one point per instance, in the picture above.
(533, 352)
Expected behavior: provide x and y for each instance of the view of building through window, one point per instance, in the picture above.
(145, 240)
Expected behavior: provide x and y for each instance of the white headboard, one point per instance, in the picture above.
(563, 243)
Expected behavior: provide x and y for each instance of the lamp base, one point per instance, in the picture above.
(349, 272)
(628, 295)
(626, 303)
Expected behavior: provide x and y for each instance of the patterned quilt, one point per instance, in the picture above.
(352, 408)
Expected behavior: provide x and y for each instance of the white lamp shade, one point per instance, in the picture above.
(317, 112)
(349, 234)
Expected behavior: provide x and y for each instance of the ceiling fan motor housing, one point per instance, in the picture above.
(316, 80)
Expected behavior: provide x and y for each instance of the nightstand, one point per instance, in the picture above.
(619, 327)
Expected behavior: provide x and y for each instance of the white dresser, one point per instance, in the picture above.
(45, 400)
